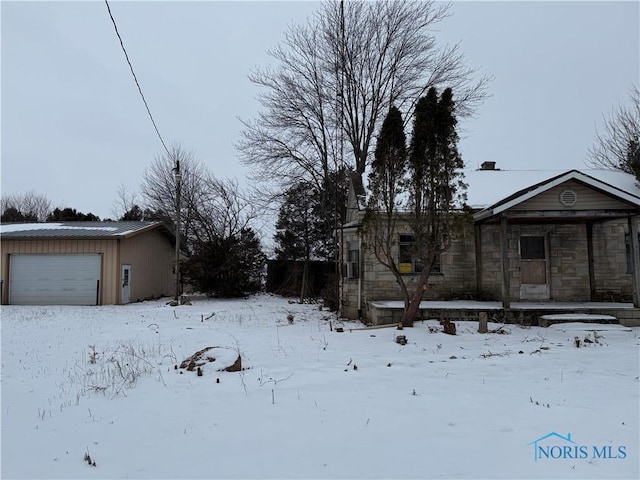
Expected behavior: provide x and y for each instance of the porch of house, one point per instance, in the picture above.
(525, 313)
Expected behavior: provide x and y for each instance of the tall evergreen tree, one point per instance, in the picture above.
(387, 181)
(298, 229)
(389, 165)
(424, 187)
(305, 226)
(308, 217)
(437, 188)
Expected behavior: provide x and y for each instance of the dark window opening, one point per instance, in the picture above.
(408, 262)
(532, 248)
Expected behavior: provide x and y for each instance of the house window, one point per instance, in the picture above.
(532, 248)
(408, 262)
(352, 265)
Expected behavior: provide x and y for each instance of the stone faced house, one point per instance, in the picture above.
(531, 236)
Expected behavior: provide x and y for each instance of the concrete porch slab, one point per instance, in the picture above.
(528, 313)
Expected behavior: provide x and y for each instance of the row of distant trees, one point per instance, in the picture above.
(36, 207)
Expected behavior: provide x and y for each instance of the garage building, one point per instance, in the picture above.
(86, 263)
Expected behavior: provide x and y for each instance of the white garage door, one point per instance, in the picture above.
(49, 279)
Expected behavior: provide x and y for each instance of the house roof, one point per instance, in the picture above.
(358, 190)
(494, 191)
(78, 230)
(490, 192)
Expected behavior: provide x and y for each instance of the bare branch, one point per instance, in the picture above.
(210, 207)
(35, 207)
(124, 202)
(616, 144)
(338, 74)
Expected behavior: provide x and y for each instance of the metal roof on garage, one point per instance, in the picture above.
(78, 230)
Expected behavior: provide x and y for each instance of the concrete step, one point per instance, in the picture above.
(550, 319)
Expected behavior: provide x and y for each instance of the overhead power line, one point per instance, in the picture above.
(136, 78)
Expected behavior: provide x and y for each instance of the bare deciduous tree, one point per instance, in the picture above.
(292, 138)
(210, 207)
(617, 146)
(158, 186)
(338, 75)
(125, 201)
(34, 206)
(222, 210)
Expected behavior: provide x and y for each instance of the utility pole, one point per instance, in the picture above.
(339, 200)
(178, 177)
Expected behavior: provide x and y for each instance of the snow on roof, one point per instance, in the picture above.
(72, 229)
(488, 187)
(30, 227)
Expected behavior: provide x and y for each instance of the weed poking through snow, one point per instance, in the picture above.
(112, 372)
(531, 400)
(87, 458)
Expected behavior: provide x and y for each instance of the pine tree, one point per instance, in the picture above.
(424, 187)
(71, 215)
(134, 214)
(633, 157)
(389, 164)
(226, 266)
(435, 169)
(387, 181)
(12, 215)
(296, 226)
(303, 231)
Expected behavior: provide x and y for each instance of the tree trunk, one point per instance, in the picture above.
(411, 312)
(305, 274)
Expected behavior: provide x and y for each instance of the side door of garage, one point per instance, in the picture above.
(54, 279)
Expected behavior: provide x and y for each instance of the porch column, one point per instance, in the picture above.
(635, 259)
(504, 256)
(478, 244)
(592, 277)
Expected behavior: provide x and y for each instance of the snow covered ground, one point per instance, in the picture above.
(311, 402)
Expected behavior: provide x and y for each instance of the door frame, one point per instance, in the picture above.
(531, 291)
(125, 282)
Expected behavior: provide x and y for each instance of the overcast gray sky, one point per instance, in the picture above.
(74, 126)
